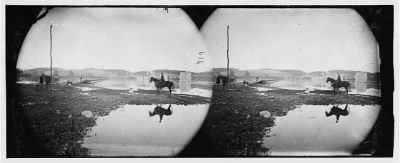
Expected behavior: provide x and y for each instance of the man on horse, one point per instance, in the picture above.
(162, 77)
(338, 77)
(336, 84)
(160, 83)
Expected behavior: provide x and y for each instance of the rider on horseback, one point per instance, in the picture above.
(162, 77)
(160, 83)
(339, 78)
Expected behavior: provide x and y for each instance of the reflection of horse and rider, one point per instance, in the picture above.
(335, 110)
(338, 83)
(160, 111)
(161, 83)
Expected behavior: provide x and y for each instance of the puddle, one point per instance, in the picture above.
(261, 94)
(27, 82)
(85, 94)
(262, 88)
(124, 84)
(85, 88)
(33, 103)
(206, 83)
(195, 91)
(133, 86)
(290, 85)
(369, 92)
(315, 130)
(264, 94)
(145, 130)
(129, 93)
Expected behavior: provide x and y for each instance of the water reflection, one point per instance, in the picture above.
(160, 111)
(128, 131)
(306, 130)
(335, 110)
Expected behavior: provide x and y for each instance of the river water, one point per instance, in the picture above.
(145, 130)
(321, 130)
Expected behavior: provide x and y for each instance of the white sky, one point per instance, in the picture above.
(303, 39)
(132, 39)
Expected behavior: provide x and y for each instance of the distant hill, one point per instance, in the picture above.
(141, 73)
(101, 72)
(87, 72)
(263, 73)
(166, 71)
(283, 73)
(351, 74)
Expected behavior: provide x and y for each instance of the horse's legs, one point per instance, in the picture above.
(170, 91)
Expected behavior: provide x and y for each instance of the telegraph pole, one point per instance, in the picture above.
(51, 56)
(227, 52)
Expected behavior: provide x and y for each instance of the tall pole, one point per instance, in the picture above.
(51, 56)
(227, 52)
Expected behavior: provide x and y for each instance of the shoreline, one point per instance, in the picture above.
(46, 115)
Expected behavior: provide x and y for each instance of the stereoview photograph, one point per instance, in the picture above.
(219, 82)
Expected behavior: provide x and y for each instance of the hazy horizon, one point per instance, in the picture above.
(291, 38)
(240, 69)
(146, 39)
(135, 39)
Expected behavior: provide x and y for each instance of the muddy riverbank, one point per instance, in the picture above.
(233, 126)
(53, 117)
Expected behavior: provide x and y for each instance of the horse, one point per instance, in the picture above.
(335, 110)
(44, 79)
(161, 84)
(224, 80)
(160, 111)
(48, 80)
(336, 84)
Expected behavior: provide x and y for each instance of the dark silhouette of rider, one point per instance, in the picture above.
(162, 77)
(160, 111)
(335, 110)
(339, 78)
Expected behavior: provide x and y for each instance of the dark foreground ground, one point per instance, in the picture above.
(234, 127)
(52, 124)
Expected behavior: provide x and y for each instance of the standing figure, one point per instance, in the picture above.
(41, 80)
(256, 79)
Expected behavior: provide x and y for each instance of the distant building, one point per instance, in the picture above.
(185, 80)
(360, 82)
